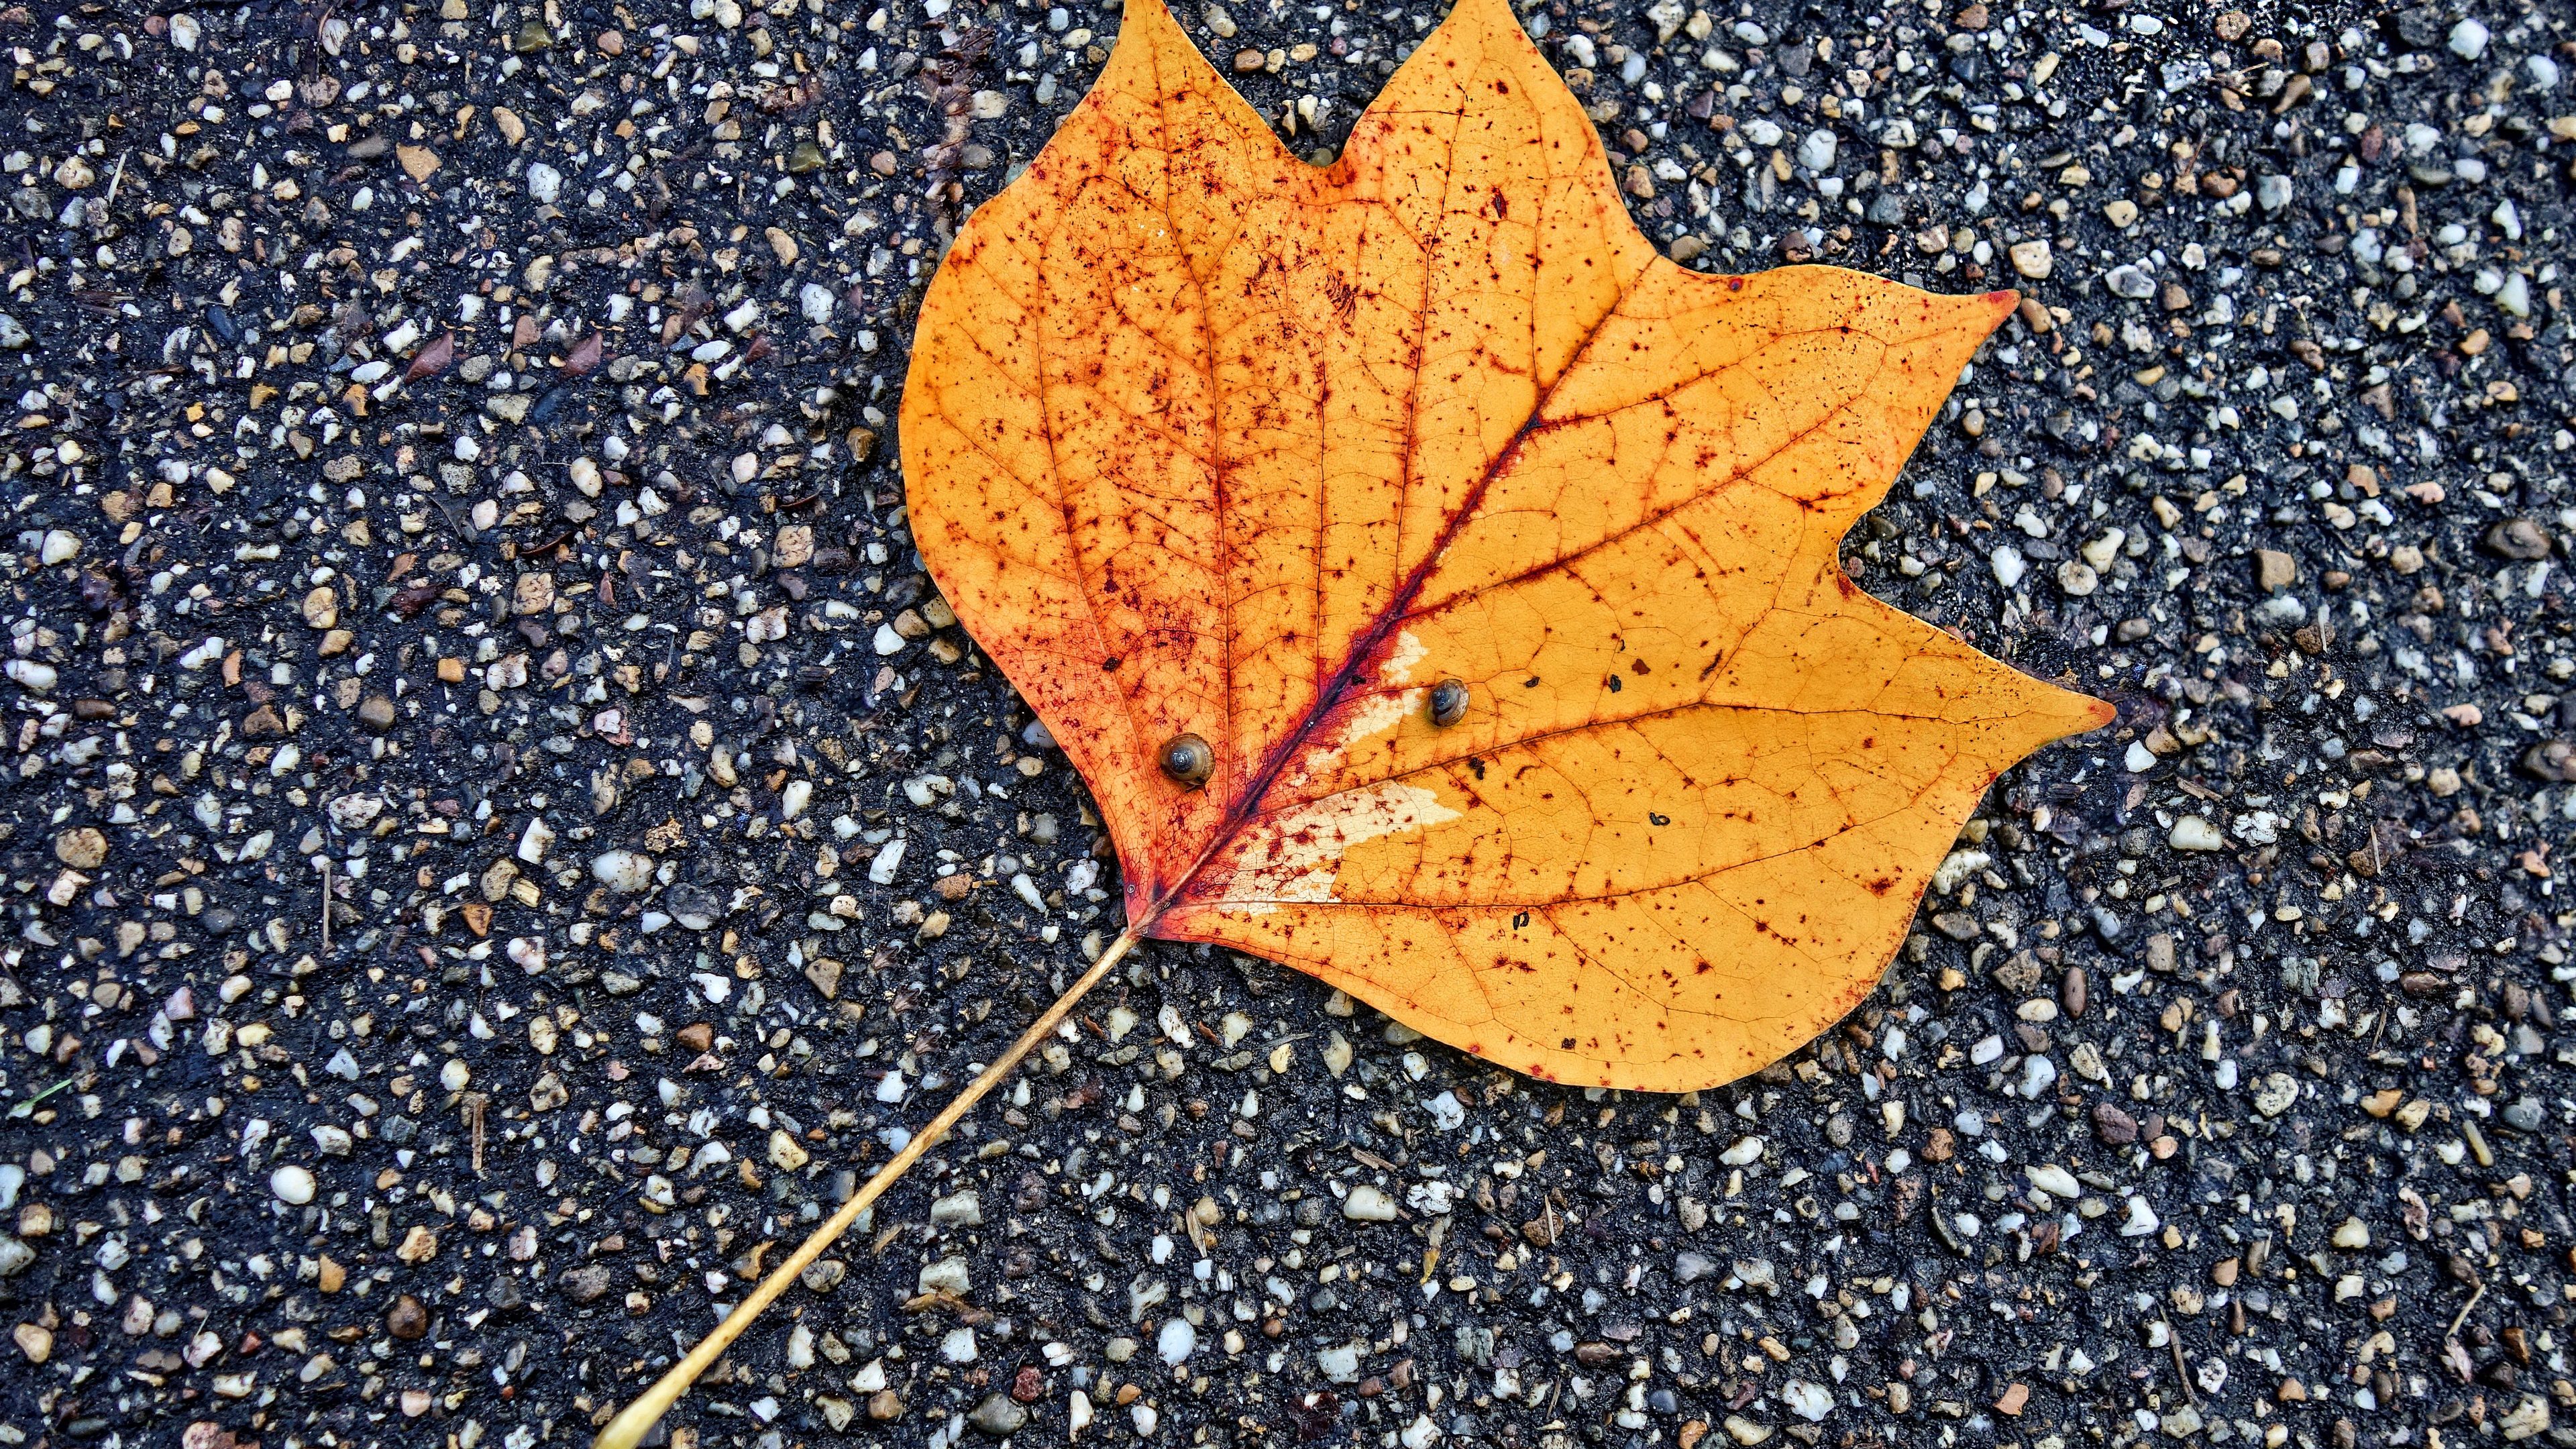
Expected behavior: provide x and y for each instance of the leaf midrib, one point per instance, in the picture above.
(1246, 808)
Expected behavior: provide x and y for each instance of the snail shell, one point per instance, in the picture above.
(1448, 702)
(1188, 760)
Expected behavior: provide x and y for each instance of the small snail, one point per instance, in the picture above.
(1188, 760)
(1448, 702)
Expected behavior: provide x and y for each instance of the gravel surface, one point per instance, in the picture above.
(450, 480)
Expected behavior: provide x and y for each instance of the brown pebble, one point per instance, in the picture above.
(2517, 538)
(377, 713)
(2274, 570)
(407, 1320)
(2550, 760)
(2113, 1125)
(2072, 992)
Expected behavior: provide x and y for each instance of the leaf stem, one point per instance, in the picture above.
(629, 1427)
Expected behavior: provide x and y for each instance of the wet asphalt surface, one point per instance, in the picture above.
(451, 471)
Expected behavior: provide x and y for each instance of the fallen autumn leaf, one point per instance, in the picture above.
(1437, 588)
(1479, 563)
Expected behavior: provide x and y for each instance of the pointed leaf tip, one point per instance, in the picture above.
(2067, 712)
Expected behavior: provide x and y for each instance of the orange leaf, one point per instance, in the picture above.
(1438, 588)
(1201, 440)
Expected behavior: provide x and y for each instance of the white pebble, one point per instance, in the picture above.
(291, 1185)
(2008, 565)
(623, 871)
(1809, 1401)
(2141, 1220)
(948, 1275)
(2191, 832)
(1368, 1204)
(2054, 1180)
(1447, 1112)
(2038, 1074)
(881, 870)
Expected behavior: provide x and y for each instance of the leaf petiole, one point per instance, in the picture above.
(629, 1427)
